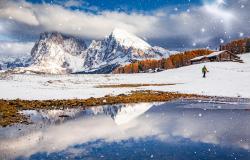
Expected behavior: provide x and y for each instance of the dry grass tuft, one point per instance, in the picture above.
(9, 108)
(9, 114)
(132, 85)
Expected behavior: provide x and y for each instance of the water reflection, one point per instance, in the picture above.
(176, 129)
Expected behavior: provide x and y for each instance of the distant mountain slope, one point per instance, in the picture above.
(118, 48)
(55, 53)
(10, 62)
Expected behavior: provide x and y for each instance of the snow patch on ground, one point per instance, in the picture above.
(229, 79)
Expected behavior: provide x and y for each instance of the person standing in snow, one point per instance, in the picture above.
(204, 71)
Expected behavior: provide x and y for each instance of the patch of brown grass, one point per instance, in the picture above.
(9, 108)
(132, 85)
(9, 115)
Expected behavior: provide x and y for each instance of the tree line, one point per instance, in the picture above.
(238, 46)
(173, 61)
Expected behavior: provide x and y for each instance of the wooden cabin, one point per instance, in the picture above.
(219, 56)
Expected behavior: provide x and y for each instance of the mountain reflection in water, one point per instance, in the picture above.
(173, 130)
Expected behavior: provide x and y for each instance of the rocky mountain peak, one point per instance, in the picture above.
(69, 44)
(50, 35)
(56, 53)
(128, 40)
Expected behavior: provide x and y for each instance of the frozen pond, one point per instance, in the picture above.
(178, 130)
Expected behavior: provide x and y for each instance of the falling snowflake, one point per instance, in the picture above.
(221, 41)
(200, 115)
(241, 34)
(203, 30)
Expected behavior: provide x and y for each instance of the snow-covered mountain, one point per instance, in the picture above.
(55, 53)
(118, 48)
(10, 62)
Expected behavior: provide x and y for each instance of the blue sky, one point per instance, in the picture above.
(174, 24)
(126, 5)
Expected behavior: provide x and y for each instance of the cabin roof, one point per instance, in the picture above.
(197, 58)
(214, 54)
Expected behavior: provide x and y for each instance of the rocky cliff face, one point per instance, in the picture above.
(55, 53)
(118, 48)
(70, 45)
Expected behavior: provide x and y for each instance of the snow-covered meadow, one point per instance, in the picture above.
(228, 79)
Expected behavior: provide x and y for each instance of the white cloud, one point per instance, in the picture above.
(15, 48)
(24, 20)
(90, 25)
(73, 3)
(218, 12)
(21, 12)
(57, 18)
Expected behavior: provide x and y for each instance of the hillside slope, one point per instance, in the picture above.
(229, 79)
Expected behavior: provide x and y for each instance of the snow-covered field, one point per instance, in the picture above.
(229, 79)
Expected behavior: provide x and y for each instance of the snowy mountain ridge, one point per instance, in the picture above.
(129, 40)
(10, 62)
(55, 53)
(118, 48)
